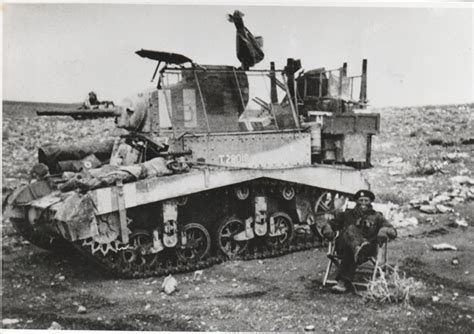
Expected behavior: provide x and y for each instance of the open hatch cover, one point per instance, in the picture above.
(167, 57)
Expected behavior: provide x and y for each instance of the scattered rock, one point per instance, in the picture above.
(461, 222)
(428, 209)
(147, 307)
(9, 322)
(443, 246)
(435, 299)
(55, 326)
(81, 309)
(456, 156)
(443, 208)
(416, 179)
(461, 179)
(455, 262)
(405, 222)
(441, 198)
(169, 284)
(309, 328)
(197, 275)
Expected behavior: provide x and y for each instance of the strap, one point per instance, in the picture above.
(122, 212)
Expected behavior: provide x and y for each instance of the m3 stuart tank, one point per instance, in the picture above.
(214, 166)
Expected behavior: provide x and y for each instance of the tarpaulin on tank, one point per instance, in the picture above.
(51, 155)
(77, 212)
(109, 175)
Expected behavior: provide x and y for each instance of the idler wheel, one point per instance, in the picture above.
(225, 237)
(198, 243)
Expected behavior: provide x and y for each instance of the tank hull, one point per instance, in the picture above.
(103, 223)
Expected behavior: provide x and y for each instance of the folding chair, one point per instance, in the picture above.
(370, 267)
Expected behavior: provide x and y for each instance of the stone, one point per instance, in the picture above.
(416, 179)
(309, 328)
(443, 208)
(456, 156)
(431, 209)
(81, 309)
(197, 275)
(441, 199)
(443, 246)
(461, 179)
(169, 284)
(461, 222)
(55, 326)
(435, 299)
(405, 222)
(8, 322)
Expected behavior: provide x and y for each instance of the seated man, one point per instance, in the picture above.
(361, 229)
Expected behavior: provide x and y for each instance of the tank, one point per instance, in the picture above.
(217, 163)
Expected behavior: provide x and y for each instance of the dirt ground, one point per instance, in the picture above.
(278, 294)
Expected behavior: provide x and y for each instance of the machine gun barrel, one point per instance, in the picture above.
(80, 114)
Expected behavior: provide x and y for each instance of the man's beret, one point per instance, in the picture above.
(364, 193)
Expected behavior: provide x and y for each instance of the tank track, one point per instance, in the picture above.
(116, 267)
(122, 262)
(40, 239)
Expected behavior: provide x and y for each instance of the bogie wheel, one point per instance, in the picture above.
(225, 237)
(283, 223)
(138, 251)
(198, 243)
(328, 203)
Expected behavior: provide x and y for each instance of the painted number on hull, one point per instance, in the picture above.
(233, 159)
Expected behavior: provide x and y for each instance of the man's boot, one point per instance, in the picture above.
(340, 287)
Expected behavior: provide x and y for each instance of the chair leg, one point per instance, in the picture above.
(328, 270)
(331, 248)
(380, 261)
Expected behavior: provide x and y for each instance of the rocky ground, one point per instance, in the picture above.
(428, 185)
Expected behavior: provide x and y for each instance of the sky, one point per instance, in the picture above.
(59, 52)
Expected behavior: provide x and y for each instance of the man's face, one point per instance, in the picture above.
(363, 203)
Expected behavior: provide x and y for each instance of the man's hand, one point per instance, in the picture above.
(386, 233)
(327, 232)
